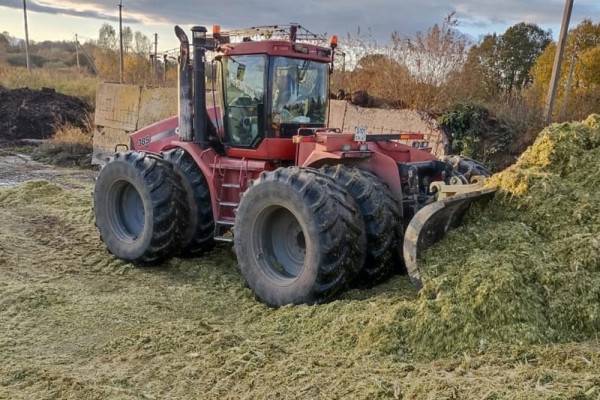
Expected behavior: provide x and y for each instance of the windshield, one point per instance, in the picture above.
(299, 94)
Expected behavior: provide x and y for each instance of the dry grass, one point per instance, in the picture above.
(72, 135)
(69, 147)
(67, 81)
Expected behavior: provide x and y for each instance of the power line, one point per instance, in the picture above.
(91, 62)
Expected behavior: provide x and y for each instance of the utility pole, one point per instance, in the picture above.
(77, 52)
(165, 61)
(26, 36)
(560, 49)
(121, 41)
(155, 65)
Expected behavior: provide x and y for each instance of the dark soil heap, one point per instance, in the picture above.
(37, 114)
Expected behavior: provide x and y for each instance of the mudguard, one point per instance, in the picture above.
(432, 222)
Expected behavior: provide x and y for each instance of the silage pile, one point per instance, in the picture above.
(526, 268)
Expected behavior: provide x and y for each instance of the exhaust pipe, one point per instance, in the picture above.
(200, 116)
(184, 87)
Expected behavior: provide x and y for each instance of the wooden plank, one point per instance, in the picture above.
(117, 106)
(156, 104)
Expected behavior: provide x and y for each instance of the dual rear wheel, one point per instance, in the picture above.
(303, 235)
(298, 237)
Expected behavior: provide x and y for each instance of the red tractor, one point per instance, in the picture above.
(310, 210)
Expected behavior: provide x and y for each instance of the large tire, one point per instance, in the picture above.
(382, 219)
(298, 237)
(135, 207)
(197, 226)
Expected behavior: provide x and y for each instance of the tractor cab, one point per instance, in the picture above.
(264, 91)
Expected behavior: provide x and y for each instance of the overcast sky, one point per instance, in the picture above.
(61, 19)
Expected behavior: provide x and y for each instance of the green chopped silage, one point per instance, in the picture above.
(519, 279)
(526, 268)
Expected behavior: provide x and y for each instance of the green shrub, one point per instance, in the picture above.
(475, 132)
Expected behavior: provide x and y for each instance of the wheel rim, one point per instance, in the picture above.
(279, 243)
(127, 211)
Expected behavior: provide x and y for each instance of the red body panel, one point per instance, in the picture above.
(381, 158)
(229, 175)
(155, 137)
(268, 149)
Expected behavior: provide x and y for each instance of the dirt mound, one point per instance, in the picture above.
(37, 114)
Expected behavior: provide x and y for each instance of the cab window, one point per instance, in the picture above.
(244, 98)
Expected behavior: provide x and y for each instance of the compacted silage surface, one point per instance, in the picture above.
(509, 309)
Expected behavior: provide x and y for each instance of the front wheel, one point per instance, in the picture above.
(299, 237)
(135, 207)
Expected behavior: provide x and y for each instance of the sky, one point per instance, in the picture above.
(62, 19)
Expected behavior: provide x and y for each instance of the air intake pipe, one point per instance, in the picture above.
(200, 123)
(184, 87)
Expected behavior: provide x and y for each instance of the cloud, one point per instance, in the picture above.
(50, 9)
(543, 12)
(381, 17)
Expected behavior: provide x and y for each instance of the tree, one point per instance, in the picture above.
(433, 55)
(107, 37)
(520, 46)
(581, 45)
(503, 62)
(4, 45)
(579, 86)
(590, 66)
(482, 68)
(584, 36)
(127, 39)
(142, 44)
(4, 42)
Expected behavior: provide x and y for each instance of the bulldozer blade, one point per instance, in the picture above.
(430, 225)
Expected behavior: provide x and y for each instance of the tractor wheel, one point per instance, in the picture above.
(135, 207)
(197, 226)
(382, 219)
(298, 237)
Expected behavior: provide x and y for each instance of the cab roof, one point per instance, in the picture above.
(282, 48)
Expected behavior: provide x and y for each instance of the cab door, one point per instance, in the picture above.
(245, 88)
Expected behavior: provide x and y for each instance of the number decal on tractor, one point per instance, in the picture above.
(145, 141)
(360, 134)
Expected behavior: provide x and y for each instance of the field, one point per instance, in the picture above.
(76, 323)
(67, 81)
